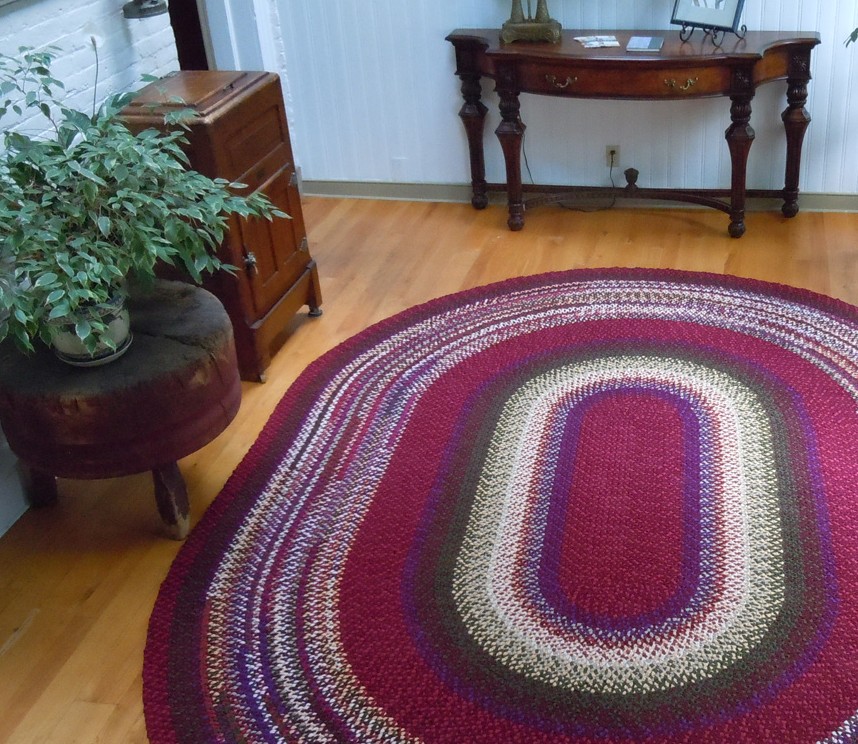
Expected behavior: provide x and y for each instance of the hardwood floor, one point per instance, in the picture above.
(78, 580)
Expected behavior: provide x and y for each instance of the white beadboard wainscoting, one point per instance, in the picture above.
(372, 96)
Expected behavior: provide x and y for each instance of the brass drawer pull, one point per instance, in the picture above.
(552, 80)
(690, 83)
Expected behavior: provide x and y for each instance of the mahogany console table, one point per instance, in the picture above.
(692, 69)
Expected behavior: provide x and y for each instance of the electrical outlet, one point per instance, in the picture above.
(612, 155)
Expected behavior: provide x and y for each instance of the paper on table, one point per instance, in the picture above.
(592, 42)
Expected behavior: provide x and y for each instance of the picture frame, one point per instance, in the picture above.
(709, 15)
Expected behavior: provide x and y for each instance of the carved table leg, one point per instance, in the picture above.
(795, 118)
(40, 487)
(510, 132)
(740, 135)
(171, 496)
(473, 116)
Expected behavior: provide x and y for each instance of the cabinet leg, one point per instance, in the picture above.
(171, 496)
(314, 294)
(40, 487)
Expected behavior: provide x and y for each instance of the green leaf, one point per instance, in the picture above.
(83, 329)
(104, 225)
(55, 296)
(45, 279)
(63, 263)
(23, 339)
(85, 172)
(59, 311)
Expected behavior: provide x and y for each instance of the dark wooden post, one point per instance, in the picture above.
(473, 113)
(795, 118)
(510, 132)
(740, 136)
(188, 32)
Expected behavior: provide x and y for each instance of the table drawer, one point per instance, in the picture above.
(643, 82)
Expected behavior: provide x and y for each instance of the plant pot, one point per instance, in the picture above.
(70, 349)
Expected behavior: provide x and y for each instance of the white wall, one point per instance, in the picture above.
(373, 97)
(128, 49)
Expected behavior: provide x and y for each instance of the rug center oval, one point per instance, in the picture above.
(511, 607)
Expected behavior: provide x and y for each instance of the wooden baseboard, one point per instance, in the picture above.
(452, 192)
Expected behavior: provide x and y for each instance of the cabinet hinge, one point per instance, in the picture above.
(305, 245)
(293, 180)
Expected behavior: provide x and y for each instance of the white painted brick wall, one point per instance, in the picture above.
(128, 49)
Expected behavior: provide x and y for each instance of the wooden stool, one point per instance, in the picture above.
(174, 391)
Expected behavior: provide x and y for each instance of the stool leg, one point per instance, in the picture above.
(39, 487)
(171, 496)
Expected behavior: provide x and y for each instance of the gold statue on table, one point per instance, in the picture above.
(541, 27)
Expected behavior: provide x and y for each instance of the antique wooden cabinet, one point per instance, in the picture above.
(240, 133)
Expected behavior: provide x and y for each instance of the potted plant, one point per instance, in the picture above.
(90, 204)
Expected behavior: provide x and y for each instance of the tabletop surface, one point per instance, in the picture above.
(698, 47)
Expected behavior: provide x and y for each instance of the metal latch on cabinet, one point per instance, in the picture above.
(250, 262)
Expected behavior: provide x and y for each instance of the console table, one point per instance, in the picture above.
(692, 69)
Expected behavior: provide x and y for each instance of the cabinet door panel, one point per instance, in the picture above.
(278, 247)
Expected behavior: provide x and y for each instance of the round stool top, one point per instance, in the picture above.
(174, 324)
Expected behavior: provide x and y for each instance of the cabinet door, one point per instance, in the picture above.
(274, 253)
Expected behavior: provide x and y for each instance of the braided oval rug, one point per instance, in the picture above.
(592, 506)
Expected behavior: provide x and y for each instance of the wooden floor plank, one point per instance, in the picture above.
(78, 580)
